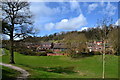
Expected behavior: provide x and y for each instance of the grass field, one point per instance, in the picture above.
(65, 67)
(8, 73)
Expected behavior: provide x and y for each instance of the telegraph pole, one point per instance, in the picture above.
(103, 76)
(104, 51)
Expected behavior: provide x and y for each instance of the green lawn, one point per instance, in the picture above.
(65, 67)
(8, 73)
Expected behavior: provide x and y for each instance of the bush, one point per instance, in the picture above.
(118, 54)
(49, 51)
(41, 53)
(97, 53)
(27, 52)
(91, 53)
(74, 55)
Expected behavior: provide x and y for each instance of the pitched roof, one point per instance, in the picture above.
(46, 43)
(59, 45)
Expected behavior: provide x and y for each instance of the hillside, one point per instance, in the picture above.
(66, 67)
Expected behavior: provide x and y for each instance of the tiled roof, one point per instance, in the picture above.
(60, 45)
(46, 43)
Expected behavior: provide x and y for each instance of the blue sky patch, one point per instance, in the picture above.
(51, 17)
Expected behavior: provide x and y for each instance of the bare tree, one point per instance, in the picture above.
(76, 43)
(104, 24)
(16, 21)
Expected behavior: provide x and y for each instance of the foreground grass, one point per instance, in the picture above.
(65, 67)
(8, 73)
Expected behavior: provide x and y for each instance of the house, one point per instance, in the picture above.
(95, 46)
(57, 47)
(32, 45)
(99, 46)
(45, 46)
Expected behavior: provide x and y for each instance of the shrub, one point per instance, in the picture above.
(49, 51)
(27, 52)
(97, 53)
(118, 54)
(41, 53)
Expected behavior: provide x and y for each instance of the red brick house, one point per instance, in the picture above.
(95, 46)
(45, 46)
(32, 45)
(57, 47)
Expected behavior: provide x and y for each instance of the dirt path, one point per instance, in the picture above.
(24, 73)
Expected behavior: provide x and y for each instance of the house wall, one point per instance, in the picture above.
(56, 50)
(55, 54)
(96, 46)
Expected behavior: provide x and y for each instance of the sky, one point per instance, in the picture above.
(52, 17)
(55, 17)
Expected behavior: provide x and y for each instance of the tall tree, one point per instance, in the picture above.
(16, 21)
(76, 43)
(104, 24)
(113, 38)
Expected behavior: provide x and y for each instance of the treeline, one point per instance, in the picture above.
(76, 40)
(21, 47)
(108, 33)
(91, 34)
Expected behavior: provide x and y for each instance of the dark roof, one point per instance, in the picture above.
(46, 43)
(45, 46)
(59, 45)
(32, 43)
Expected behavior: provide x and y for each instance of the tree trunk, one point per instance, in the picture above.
(11, 44)
(11, 50)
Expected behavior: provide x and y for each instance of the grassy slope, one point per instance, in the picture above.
(8, 73)
(89, 67)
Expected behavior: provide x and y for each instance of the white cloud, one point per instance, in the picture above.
(73, 23)
(17, 38)
(44, 14)
(102, 3)
(109, 10)
(4, 37)
(75, 6)
(117, 22)
(68, 24)
(92, 7)
(84, 28)
(49, 26)
(64, 20)
(42, 10)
